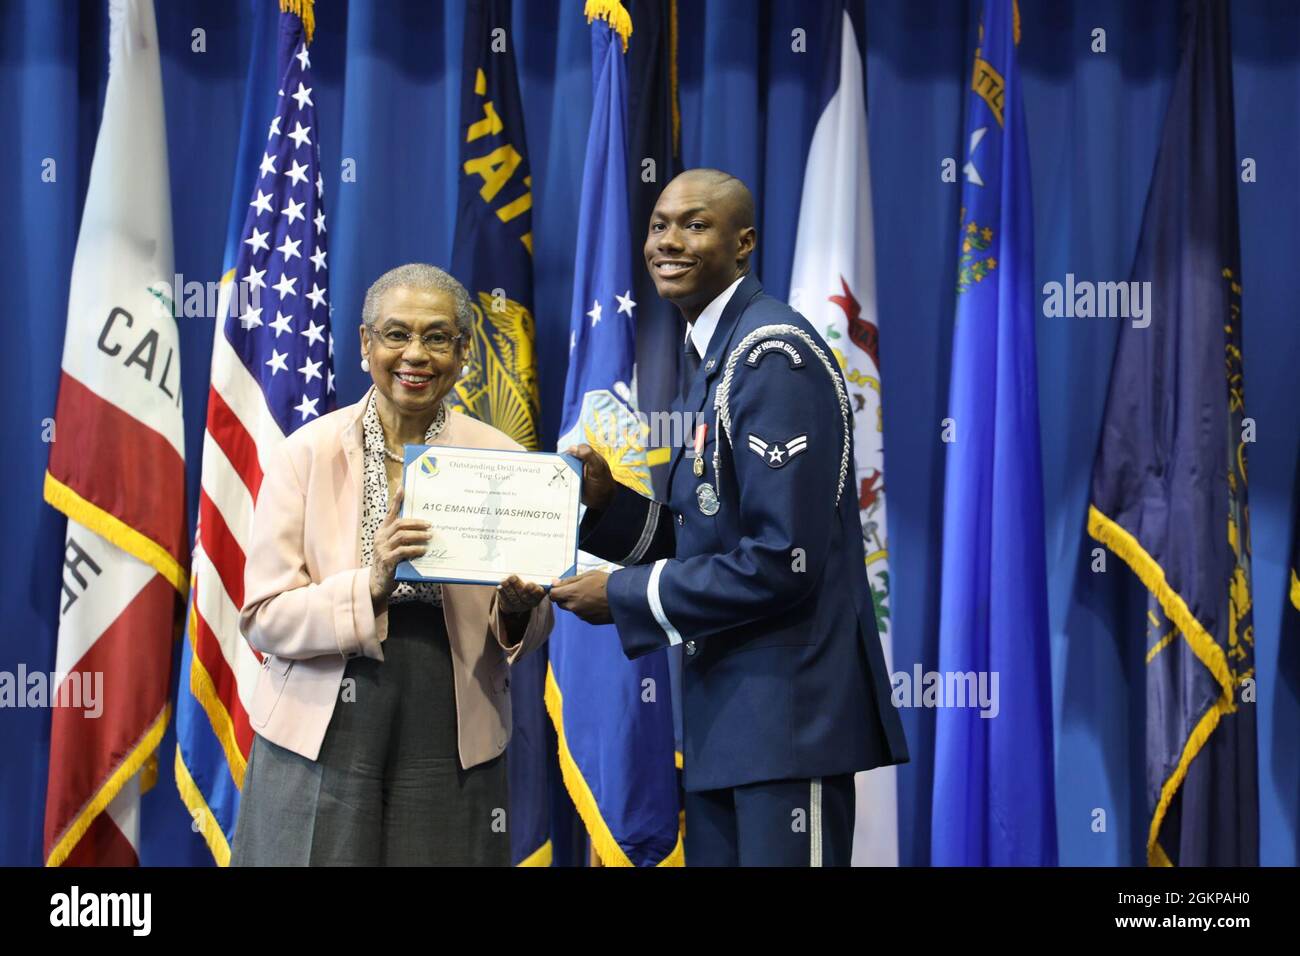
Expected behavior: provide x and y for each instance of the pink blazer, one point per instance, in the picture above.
(307, 605)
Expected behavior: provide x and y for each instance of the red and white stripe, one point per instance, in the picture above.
(117, 470)
(240, 435)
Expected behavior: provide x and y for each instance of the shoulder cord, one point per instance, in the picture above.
(722, 414)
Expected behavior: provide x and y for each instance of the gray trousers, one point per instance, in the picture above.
(387, 788)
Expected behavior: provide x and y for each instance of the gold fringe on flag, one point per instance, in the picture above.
(1115, 536)
(116, 532)
(613, 13)
(542, 856)
(603, 842)
(304, 10)
(132, 764)
(204, 821)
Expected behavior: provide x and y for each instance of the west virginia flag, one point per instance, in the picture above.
(1169, 482)
(833, 283)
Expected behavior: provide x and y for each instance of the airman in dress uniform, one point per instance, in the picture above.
(754, 563)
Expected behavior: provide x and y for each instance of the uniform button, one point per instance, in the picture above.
(681, 520)
(690, 648)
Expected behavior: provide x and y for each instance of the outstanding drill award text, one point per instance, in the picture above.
(492, 514)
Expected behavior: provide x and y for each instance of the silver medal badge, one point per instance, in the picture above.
(708, 499)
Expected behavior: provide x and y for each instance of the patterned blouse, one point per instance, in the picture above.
(374, 503)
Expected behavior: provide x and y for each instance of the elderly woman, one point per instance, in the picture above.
(383, 709)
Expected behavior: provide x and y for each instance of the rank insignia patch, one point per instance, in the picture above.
(778, 453)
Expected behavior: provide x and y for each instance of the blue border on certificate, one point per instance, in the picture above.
(412, 453)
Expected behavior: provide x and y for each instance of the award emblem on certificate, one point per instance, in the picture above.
(492, 514)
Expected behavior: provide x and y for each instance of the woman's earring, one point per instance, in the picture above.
(464, 370)
(365, 365)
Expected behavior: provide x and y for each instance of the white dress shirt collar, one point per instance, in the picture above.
(701, 330)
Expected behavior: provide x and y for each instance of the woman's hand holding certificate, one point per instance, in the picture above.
(397, 539)
(518, 597)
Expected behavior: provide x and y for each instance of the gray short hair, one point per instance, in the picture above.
(424, 278)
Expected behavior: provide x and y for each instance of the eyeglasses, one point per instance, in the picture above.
(436, 343)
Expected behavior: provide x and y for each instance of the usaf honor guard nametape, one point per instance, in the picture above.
(762, 348)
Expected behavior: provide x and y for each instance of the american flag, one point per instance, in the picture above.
(271, 373)
(282, 267)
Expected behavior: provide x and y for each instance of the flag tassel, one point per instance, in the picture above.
(305, 11)
(613, 13)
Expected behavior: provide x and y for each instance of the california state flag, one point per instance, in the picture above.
(833, 285)
(117, 470)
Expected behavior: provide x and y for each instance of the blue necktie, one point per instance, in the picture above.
(690, 365)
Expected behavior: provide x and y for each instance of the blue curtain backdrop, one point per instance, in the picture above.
(387, 97)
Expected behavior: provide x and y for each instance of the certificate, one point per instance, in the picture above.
(492, 514)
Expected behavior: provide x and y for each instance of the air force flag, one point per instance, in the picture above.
(613, 716)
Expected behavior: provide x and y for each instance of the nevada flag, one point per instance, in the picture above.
(994, 798)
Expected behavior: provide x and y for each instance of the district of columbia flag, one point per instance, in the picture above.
(272, 371)
(613, 717)
(833, 284)
(117, 470)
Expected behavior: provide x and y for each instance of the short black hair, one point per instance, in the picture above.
(730, 186)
